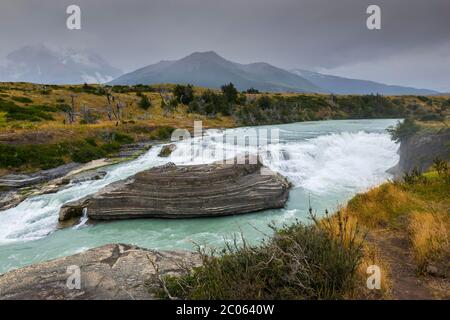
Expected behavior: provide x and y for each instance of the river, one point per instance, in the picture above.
(327, 162)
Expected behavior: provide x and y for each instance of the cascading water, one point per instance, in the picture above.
(83, 220)
(327, 161)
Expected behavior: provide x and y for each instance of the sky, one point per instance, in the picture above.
(412, 47)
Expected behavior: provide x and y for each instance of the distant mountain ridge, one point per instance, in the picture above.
(208, 69)
(40, 64)
(341, 85)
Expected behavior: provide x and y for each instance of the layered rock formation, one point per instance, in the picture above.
(114, 271)
(420, 149)
(172, 191)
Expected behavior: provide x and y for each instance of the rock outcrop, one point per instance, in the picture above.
(114, 271)
(420, 149)
(167, 150)
(15, 181)
(172, 191)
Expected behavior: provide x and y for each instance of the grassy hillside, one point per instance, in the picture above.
(43, 126)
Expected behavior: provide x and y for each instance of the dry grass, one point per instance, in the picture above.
(430, 237)
(345, 226)
(382, 206)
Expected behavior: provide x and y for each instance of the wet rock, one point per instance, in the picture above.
(85, 176)
(167, 150)
(134, 149)
(172, 191)
(15, 181)
(10, 199)
(114, 271)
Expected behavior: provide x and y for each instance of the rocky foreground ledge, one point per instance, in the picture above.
(172, 191)
(114, 271)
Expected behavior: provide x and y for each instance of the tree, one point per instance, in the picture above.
(112, 110)
(70, 110)
(230, 93)
(252, 91)
(167, 103)
(145, 102)
(184, 94)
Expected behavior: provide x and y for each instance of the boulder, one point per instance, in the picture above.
(114, 271)
(167, 150)
(172, 191)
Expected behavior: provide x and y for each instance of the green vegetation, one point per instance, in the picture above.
(403, 130)
(299, 262)
(22, 99)
(144, 103)
(33, 113)
(32, 156)
(184, 94)
(162, 133)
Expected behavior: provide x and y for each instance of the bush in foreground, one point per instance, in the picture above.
(299, 262)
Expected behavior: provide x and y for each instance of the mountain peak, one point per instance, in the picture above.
(209, 69)
(204, 55)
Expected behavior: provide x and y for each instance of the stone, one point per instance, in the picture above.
(172, 191)
(15, 181)
(110, 272)
(167, 150)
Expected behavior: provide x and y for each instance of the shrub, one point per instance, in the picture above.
(145, 102)
(22, 99)
(252, 91)
(184, 94)
(85, 152)
(403, 130)
(162, 133)
(230, 93)
(32, 113)
(299, 262)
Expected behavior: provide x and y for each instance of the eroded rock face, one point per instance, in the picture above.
(114, 271)
(420, 150)
(172, 191)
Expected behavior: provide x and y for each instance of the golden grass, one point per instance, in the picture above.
(430, 237)
(382, 206)
(345, 226)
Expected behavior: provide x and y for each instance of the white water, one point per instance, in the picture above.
(327, 160)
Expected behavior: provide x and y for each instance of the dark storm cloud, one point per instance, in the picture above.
(318, 34)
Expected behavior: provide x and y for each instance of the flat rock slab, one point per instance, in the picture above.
(172, 191)
(14, 181)
(114, 271)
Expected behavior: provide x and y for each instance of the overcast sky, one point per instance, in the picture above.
(412, 48)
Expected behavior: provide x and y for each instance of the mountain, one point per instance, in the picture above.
(208, 69)
(39, 64)
(340, 85)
